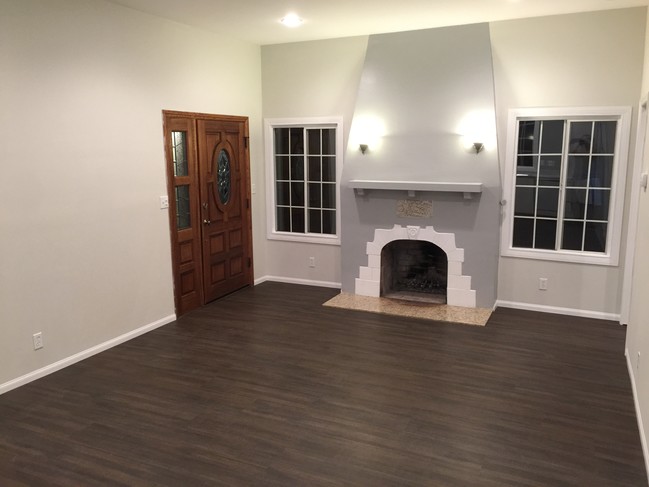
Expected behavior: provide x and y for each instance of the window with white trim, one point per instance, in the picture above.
(304, 161)
(564, 184)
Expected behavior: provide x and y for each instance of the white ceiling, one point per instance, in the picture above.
(257, 21)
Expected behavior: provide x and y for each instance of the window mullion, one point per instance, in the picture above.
(538, 179)
(590, 165)
(320, 185)
(290, 181)
(562, 184)
(583, 229)
(306, 178)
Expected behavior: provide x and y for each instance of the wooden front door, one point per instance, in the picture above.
(224, 197)
(208, 174)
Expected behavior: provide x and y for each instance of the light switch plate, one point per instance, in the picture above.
(164, 202)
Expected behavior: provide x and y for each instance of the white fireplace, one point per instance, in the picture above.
(458, 291)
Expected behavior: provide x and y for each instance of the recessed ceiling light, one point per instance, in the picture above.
(291, 20)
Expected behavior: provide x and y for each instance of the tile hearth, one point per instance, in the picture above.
(396, 307)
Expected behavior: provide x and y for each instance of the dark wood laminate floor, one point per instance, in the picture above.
(267, 387)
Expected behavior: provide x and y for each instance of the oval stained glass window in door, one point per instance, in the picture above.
(223, 177)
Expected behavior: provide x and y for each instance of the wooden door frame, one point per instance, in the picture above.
(195, 197)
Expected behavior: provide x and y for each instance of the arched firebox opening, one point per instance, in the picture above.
(414, 270)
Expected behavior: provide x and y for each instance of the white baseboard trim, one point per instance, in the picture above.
(77, 357)
(561, 311)
(643, 438)
(294, 280)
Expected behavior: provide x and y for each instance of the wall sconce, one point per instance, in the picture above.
(479, 126)
(367, 132)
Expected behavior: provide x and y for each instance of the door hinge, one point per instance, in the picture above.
(245, 141)
(249, 262)
(248, 204)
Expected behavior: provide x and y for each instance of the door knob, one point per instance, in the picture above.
(206, 222)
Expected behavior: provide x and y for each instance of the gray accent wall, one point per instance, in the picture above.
(421, 84)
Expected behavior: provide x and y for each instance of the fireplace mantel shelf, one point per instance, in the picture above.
(361, 185)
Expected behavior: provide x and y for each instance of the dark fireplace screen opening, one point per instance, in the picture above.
(415, 270)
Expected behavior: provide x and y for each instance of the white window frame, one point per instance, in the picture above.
(616, 204)
(312, 122)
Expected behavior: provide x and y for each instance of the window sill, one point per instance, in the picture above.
(300, 238)
(562, 256)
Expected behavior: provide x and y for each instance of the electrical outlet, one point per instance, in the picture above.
(543, 283)
(38, 340)
(311, 261)
(164, 202)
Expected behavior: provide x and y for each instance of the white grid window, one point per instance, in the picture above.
(564, 184)
(305, 159)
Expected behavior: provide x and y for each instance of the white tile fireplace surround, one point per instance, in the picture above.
(458, 292)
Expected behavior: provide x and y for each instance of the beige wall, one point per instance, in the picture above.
(637, 341)
(84, 247)
(591, 59)
(310, 79)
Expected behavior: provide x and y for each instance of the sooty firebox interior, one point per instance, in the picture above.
(414, 270)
